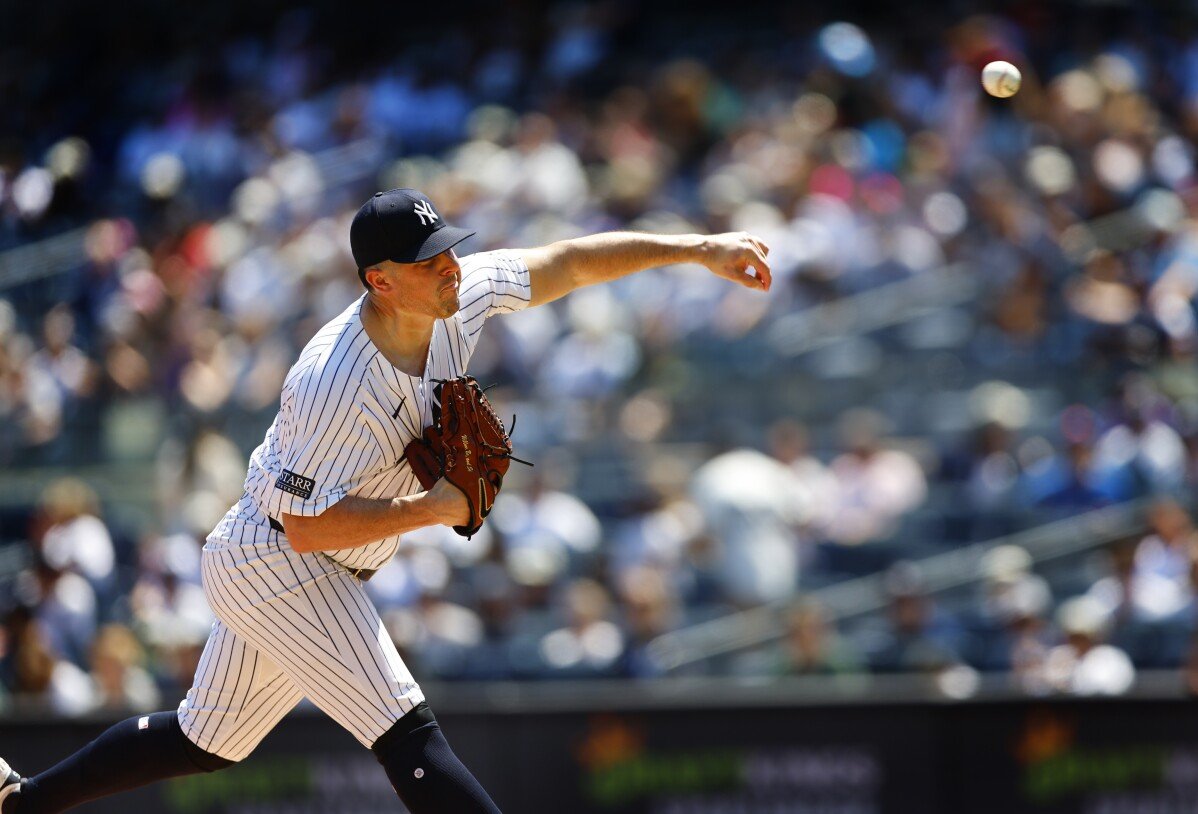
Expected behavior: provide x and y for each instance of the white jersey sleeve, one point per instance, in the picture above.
(492, 283)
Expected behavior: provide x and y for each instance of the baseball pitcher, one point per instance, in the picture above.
(379, 432)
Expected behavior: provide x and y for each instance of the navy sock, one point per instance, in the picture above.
(126, 756)
(425, 772)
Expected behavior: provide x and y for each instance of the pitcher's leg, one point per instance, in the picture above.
(315, 621)
(133, 753)
(425, 772)
(318, 624)
(238, 696)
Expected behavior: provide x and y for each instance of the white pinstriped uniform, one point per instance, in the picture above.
(293, 625)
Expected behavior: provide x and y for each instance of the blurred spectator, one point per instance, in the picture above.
(197, 484)
(1169, 550)
(65, 609)
(34, 669)
(986, 467)
(812, 645)
(1014, 632)
(667, 531)
(1075, 481)
(1131, 595)
(875, 485)
(444, 633)
(549, 175)
(76, 539)
(1084, 664)
(1145, 612)
(590, 645)
(30, 403)
(986, 470)
(546, 530)
(596, 357)
(916, 636)
(1143, 443)
(789, 442)
(120, 680)
(1027, 635)
(650, 609)
(168, 609)
(65, 365)
(27, 662)
(507, 647)
(753, 506)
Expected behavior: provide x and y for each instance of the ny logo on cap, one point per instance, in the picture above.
(425, 210)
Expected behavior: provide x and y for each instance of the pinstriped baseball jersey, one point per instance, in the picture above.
(294, 624)
(347, 414)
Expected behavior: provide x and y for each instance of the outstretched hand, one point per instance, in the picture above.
(740, 257)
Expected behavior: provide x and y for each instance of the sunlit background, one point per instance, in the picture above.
(952, 455)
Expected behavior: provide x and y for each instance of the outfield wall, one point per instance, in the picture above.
(683, 757)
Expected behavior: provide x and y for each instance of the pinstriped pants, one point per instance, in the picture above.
(290, 625)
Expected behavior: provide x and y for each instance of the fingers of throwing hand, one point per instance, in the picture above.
(764, 275)
(755, 268)
(755, 252)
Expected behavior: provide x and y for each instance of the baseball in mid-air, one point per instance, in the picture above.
(1001, 79)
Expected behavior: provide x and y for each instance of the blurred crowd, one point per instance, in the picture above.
(690, 460)
(1137, 611)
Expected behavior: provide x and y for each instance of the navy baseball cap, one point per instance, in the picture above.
(400, 225)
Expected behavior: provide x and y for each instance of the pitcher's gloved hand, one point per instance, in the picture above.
(466, 444)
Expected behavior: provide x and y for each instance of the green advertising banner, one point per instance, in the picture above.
(1065, 757)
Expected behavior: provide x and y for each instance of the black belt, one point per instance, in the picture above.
(360, 574)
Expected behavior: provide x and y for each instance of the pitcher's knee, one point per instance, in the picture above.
(420, 716)
(204, 760)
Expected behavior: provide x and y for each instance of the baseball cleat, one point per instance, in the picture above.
(10, 784)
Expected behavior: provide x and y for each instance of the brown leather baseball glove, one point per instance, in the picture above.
(466, 444)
